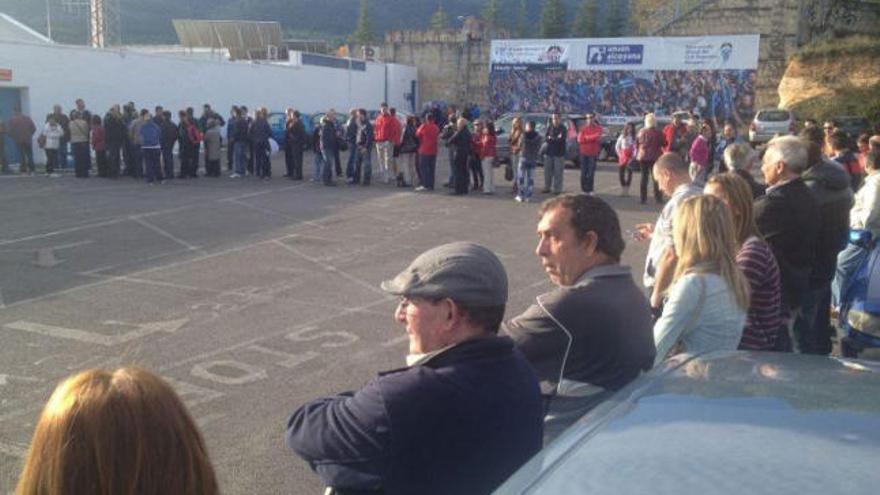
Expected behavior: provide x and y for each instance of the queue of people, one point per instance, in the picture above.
(732, 264)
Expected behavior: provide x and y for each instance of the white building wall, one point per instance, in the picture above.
(50, 74)
(400, 85)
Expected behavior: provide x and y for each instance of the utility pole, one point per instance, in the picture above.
(48, 21)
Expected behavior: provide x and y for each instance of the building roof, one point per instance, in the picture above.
(13, 30)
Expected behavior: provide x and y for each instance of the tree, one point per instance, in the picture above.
(440, 19)
(491, 14)
(586, 23)
(522, 26)
(363, 34)
(617, 21)
(553, 24)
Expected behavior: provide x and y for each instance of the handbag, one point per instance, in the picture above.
(508, 172)
(634, 165)
(41, 141)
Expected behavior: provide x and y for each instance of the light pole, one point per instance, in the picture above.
(48, 21)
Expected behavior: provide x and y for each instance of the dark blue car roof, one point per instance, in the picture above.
(724, 423)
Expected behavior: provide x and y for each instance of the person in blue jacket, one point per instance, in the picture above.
(459, 419)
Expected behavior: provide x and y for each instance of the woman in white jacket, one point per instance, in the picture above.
(52, 133)
(709, 298)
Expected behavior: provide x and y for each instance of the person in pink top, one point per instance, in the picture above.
(427, 134)
(699, 154)
(589, 143)
(487, 156)
(99, 144)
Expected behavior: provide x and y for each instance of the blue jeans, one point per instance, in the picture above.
(554, 166)
(352, 160)
(240, 157)
(327, 172)
(62, 154)
(168, 159)
(525, 178)
(812, 327)
(151, 162)
(427, 170)
(848, 262)
(363, 164)
(264, 166)
(588, 173)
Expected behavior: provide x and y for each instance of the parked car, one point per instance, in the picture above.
(768, 123)
(852, 125)
(723, 423)
(574, 123)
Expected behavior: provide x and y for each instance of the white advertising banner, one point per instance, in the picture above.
(673, 53)
(621, 78)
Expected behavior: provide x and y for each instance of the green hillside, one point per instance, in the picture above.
(149, 21)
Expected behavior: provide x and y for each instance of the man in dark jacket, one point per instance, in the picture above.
(116, 137)
(464, 414)
(830, 185)
(554, 159)
(363, 148)
(296, 144)
(592, 334)
(329, 146)
(168, 138)
(21, 130)
(787, 217)
(351, 137)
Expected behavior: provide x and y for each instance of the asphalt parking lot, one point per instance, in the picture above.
(250, 297)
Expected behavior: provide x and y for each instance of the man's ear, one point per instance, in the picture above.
(453, 314)
(590, 243)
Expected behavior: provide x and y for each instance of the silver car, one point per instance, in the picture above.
(723, 423)
(769, 123)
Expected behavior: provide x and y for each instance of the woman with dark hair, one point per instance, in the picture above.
(409, 144)
(116, 432)
(625, 147)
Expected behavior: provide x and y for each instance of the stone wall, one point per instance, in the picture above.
(453, 64)
(775, 20)
(784, 25)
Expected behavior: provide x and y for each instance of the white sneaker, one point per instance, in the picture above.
(518, 198)
(421, 188)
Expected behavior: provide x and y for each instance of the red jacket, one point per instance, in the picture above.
(383, 127)
(590, 140)
(428, 134)
(396, 131)
(671, 134)
(477, 144)
(487, 146)
(98, 138)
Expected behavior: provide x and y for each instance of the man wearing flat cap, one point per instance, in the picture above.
(463, 415)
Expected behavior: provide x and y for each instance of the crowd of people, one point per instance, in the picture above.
(733, 263)
(727, 268)
(719, 95)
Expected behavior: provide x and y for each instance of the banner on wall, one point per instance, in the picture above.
(530, 56)
(621, 77)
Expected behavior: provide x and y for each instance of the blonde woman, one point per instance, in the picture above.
(709, 298)
(116, 432)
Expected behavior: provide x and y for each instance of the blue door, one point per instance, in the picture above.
(9, 99)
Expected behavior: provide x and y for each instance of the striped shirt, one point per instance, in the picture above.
(764, 319)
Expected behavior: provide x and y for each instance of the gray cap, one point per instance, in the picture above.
(462, 271)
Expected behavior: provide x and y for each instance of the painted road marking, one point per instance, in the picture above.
(142, 330)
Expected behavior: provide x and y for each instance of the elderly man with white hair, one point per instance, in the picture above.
(740, 158)
(787, 216)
